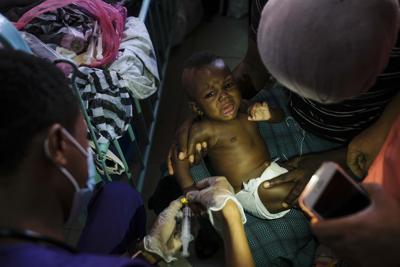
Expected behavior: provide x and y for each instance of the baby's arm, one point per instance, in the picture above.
(200, 132)
(183, 175)
(264, 112)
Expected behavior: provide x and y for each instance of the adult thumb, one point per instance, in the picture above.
(193, 195)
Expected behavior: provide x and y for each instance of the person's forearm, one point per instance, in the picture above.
(337, 155)
(237, 250)
(253, 58)
(142, 253)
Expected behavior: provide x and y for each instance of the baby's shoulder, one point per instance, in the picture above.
(204, 128)
(202, 125)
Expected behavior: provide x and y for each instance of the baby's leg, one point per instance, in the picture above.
(273, 197)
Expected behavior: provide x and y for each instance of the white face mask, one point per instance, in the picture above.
(82, 195)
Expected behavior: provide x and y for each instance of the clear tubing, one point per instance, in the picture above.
(185, 234)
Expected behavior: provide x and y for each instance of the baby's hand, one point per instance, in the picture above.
(259, 112)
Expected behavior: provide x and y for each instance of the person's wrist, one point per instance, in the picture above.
(189, 188)
(230, 211)
(150, 257)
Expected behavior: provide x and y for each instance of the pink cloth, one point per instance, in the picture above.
(385, 169)
(111, 20)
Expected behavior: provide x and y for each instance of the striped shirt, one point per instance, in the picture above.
(341, 122)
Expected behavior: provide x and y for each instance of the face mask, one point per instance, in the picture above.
(82, 195)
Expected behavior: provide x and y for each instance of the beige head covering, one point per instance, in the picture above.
(327, 50)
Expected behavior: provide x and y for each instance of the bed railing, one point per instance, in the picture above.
(159, 17)
(134, 147)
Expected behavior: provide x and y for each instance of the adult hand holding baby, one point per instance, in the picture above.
(186, 146)
(300, 170)
(191, 144)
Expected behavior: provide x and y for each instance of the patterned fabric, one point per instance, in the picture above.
(281, 242)
(287, 139)
(68, 27)
(107, 102)
(107, 92)
(343, 121)
(286, 241)
(137, 63)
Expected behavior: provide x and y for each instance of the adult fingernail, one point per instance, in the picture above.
(266, 184)
(189, 196)
(181, 155)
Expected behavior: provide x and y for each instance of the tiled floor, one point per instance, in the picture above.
(224, 36)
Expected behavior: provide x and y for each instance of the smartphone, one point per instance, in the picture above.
(332, 193)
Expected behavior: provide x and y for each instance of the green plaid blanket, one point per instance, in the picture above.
(286, 241)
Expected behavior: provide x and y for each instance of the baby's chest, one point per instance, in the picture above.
(238, 136)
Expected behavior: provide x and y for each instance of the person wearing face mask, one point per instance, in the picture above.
(44, 170)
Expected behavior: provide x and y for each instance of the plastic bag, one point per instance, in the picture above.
(44, 51)
(111, 20)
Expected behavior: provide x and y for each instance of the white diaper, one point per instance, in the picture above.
(249, 198)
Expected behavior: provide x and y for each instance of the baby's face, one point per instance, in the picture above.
(215, 91)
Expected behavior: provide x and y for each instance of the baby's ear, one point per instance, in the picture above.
(195, 108)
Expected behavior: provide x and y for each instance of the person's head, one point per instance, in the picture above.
(38, 112)
(327, 50)
(210, 86)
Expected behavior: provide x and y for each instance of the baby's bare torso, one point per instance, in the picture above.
(239, 152)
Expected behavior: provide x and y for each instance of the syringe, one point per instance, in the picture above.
(185, 233)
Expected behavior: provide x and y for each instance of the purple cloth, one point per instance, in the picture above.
(33, 255)
(116, 219)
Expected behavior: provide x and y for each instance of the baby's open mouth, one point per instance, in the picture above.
(228, 109)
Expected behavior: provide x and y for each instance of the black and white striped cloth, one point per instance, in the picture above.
(107, 102)
(341, 122)
(108, 93)
(68, 27)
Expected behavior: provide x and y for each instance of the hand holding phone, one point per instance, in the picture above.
(332, 193)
